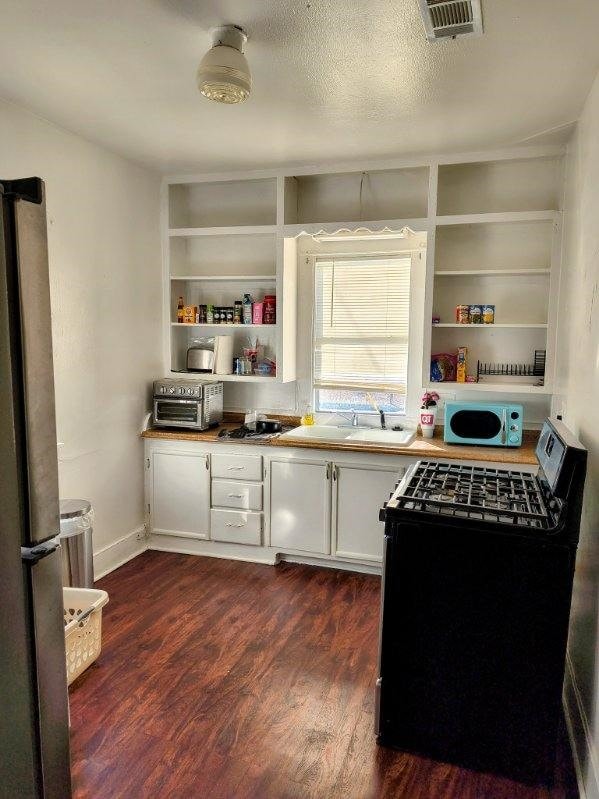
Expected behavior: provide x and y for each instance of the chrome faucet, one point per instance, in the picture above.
(354, 419)
(383, 423)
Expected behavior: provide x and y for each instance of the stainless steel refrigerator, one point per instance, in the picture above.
(34, 727)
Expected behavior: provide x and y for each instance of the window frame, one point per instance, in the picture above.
(415, 329)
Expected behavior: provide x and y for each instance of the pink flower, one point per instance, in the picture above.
(429, 398)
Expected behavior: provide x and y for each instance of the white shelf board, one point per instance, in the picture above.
(331, 228)
(236, 230)
(226, 278)
(491, 272)
(508, 216)
(513, 326)
(226, 378)
(506, 388)
(225, 327)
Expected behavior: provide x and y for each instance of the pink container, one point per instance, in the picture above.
(257, 312)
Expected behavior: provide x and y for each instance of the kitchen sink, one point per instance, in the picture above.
(332, 433)
(319, 432)
(375, 436)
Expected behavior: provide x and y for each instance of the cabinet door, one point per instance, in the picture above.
(358, 495)
(300, 505)
(180, 494)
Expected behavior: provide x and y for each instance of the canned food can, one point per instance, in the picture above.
(462, 314)
(488, 314)
(476, 314)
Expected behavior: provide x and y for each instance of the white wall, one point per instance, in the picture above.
(105, 277)
(577, 398)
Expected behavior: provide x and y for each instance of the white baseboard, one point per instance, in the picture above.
(585, 756)
(118, 552)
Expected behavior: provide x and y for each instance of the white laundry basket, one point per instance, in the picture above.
(82, 627)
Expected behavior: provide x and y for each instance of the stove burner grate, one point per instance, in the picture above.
(473, 492)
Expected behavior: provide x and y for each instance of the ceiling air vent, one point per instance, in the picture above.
(451, 18)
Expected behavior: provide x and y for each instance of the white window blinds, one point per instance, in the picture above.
(361, 321)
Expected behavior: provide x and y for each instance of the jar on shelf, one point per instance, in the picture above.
(270, 309)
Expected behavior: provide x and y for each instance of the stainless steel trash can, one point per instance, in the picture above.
(76, 529)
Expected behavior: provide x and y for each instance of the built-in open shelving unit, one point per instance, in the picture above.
(497, 229)
(493, 226)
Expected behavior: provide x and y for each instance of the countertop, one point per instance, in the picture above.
(421, 447)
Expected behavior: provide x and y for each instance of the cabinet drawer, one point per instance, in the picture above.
(237, 467)
(235, 494)
(236, 526)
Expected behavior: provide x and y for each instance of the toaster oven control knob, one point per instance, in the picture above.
(513, 427)
(515, 415)
(513, 438)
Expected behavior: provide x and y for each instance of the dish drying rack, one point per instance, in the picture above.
(536, 369)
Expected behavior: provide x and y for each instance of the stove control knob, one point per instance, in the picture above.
(190, 391)
(171, 390)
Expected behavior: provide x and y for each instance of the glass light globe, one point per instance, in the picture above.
(224, 73)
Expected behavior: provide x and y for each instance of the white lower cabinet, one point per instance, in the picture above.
(312, 506)
(180, 494)
(300, 505)
(358, 495)
(322, 507)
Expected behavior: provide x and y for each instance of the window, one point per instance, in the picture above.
(361, 326)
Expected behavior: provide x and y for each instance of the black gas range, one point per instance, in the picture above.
(477, 583)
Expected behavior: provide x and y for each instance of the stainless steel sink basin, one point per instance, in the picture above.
(332, 433)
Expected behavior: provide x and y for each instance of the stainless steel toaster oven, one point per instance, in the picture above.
(196, 404)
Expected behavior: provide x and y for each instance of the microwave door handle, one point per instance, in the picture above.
(503, 426)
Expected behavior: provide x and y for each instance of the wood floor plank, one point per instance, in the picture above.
(230, 680)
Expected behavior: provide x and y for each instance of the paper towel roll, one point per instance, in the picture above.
(223, 355)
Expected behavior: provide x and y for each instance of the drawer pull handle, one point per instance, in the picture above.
(232, 524)
(235, 496)
(235, 468)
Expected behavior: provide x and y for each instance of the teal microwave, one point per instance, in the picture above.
(486, 423)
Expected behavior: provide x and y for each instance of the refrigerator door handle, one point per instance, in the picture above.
(34, 554)
(37, 376)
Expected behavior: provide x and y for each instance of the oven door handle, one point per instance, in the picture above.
(175, 399)
(503, 437)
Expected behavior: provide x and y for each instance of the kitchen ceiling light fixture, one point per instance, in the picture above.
(224, 74)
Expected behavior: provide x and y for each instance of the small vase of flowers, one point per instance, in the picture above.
(428, 413)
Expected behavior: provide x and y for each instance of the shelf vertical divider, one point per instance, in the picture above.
(433, 184)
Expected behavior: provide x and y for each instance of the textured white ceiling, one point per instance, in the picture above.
(333, 79)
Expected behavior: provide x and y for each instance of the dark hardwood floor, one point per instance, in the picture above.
(230, 680)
